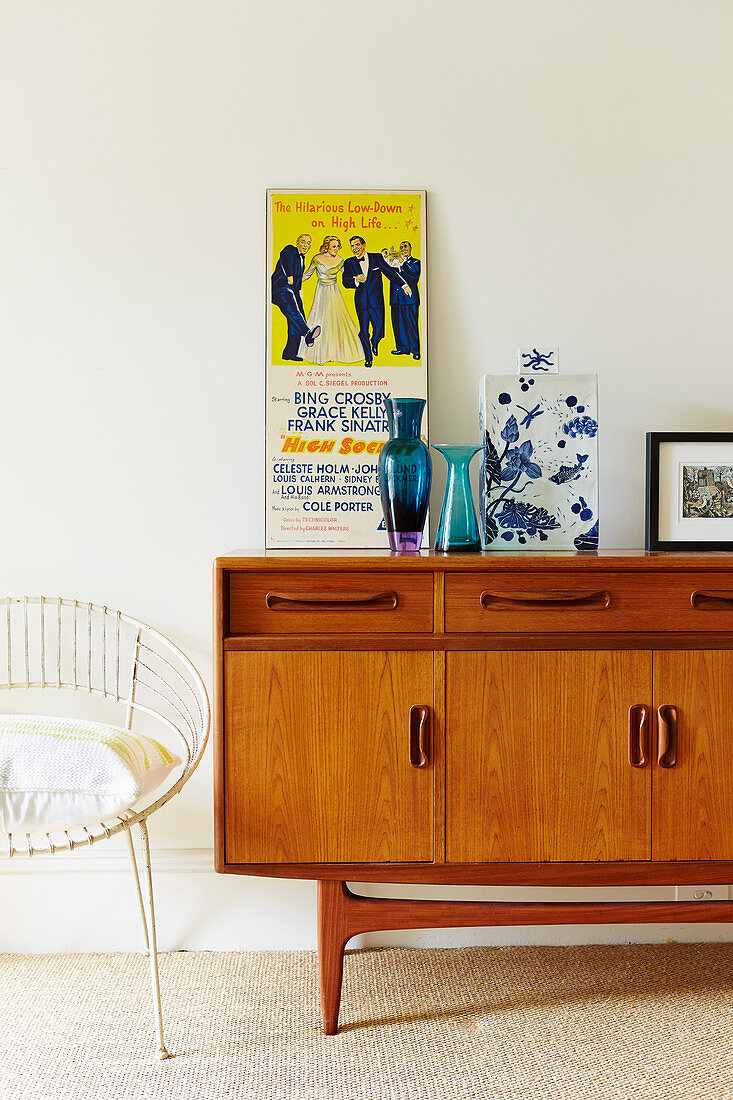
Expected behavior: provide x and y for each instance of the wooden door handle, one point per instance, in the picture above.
(639, 735)
(331, 601)
(712, 601)
(419, 735)
(546, 600)
(667, 755)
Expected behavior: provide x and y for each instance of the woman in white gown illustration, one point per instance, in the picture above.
(339, 342)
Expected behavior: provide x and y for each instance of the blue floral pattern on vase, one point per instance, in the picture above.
(516, 516)
(532, 491)
(581, 425)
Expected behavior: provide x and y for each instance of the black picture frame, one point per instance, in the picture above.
(651, 528)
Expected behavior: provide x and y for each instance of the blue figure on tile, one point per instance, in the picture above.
(544, 360)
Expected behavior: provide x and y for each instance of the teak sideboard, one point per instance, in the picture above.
(496, 719)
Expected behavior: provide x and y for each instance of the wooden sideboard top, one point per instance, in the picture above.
(518, 560)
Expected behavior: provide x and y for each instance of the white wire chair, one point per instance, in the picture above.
(67, 645)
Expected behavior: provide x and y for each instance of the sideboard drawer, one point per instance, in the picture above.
(324, 603)
(588, 601)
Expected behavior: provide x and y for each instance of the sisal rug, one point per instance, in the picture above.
(652, 1022)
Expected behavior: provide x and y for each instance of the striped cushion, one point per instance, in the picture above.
(61, 772)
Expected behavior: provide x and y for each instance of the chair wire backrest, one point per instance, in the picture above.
(70, 645)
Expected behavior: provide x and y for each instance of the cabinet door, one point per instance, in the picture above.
(317, 758)
(538, 757)
(693, 798)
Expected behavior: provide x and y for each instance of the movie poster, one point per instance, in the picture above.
(346, 329)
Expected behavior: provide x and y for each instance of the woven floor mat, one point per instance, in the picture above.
(652, 1022)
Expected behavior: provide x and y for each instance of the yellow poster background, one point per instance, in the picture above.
(383, 219)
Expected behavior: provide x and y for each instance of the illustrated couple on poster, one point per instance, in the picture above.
(328, 334)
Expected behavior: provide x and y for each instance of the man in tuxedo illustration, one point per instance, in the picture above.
(405, 308)
(363, 274)
(287, 280)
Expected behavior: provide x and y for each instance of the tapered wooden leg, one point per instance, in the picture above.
(332, 937)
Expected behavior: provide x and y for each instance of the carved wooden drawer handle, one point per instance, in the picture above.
(419, 735)
(549, 599)
(639, 735)
(712, 601)
(331, 601)
(667, 757)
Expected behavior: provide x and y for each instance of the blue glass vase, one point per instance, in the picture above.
(405, 471)
(458, 526)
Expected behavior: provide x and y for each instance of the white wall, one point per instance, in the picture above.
(578, 161)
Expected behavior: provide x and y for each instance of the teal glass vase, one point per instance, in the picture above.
(405, 472)
(458, 526)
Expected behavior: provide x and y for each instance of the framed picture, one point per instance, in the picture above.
(346, 279)
(689, 491)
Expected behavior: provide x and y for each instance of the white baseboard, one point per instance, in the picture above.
(96, 860)
(96, 910)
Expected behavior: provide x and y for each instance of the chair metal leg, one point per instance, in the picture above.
(136, 879)
(148, 911)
